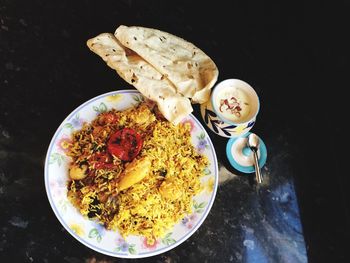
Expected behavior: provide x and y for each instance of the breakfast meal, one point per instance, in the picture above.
(164, 68)
(134, 171)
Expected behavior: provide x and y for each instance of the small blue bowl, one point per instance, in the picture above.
(241, 157)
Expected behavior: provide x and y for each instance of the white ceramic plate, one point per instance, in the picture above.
(88, 231)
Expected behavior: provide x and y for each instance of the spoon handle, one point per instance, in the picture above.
(257, 168)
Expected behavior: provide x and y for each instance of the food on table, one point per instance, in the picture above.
(163, 67)
(185, 65)
(134, 171)
(143, 76)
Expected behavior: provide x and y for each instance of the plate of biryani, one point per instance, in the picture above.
(126, 182)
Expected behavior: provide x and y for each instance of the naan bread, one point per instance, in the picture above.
(191, 71)
(143, 76)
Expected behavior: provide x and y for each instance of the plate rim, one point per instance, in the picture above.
(106, 252)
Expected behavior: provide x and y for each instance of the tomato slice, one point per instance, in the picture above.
(125, 144)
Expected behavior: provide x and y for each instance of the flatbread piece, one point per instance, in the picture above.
(192, 72)
(142, 75)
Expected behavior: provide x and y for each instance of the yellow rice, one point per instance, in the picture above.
(140, 209)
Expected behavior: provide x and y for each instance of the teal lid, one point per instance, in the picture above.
(240, 155)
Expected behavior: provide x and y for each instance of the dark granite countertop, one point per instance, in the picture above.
(298, 215)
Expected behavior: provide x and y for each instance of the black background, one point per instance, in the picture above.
(294, 54)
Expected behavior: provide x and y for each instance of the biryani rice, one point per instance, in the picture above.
(145, 208)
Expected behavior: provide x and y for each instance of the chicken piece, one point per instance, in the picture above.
(134, 173)
(78, 172)
(169, 190)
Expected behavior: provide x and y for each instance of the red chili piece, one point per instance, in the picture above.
(107, 118)
(101, 161)
(125, 144)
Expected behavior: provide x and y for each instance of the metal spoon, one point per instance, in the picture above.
(253, 144)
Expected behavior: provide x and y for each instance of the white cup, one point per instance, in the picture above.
(232, 108)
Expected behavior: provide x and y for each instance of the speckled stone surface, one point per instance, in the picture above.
(46, 71)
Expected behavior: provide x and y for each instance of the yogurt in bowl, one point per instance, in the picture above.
(235, 101)
(232, 109)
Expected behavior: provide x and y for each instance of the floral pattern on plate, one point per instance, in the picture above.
(94, 235)
(219, 127)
